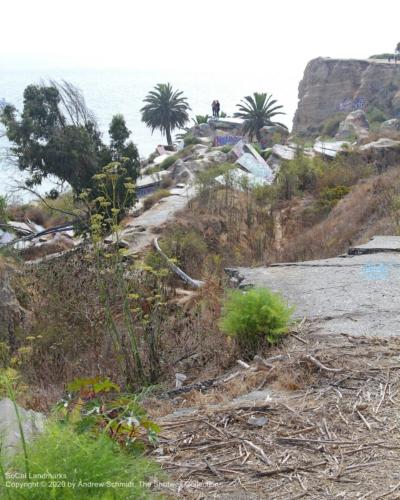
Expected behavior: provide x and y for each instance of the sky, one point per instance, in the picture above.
(213, 34)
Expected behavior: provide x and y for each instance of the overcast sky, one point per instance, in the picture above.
(214, 34)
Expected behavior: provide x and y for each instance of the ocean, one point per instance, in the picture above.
(108, 92)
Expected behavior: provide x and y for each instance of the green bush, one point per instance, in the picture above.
(226, 149)
(255, 316)
(328, 197)
(331, 124)
(376, 115)
(3, 210)
(83, 460)
(168, 162)
(189, 140)
(201, 119)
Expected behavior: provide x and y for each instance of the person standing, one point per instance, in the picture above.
(217, 108)
(213, 107)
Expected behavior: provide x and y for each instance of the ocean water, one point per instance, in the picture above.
(122, 91)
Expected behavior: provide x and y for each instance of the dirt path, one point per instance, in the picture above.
(139, 231)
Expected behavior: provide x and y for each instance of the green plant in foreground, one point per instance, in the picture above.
(86, 466)
(96, 405)
(253, 316)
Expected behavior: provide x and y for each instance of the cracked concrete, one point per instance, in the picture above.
(357, 294)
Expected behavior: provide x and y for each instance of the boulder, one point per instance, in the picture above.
(274, 134)
(355, 123)
(10, 438)
(393, 124)
(383, 143)
(202, 130)
(216, 156)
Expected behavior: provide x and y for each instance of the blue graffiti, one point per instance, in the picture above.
(223, 140)
(352, 104)
(375, 272)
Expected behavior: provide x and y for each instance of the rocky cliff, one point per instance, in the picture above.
(331, 86)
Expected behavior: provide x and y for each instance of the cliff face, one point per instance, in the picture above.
(331, 86)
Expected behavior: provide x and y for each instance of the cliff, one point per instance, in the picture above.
(330, 86)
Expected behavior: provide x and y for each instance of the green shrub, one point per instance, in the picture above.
(3, 210)
(376, 115)
(331, 124)
(255, 316)
(168, 162)
(201, 119)
(385, 55)
(82, 460)
(189, 140)
(328, 197)
(226, 149)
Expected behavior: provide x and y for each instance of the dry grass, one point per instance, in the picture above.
(364, 212)
(154, 198)
(338, 435)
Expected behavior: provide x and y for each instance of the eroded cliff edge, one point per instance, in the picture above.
(331, 86)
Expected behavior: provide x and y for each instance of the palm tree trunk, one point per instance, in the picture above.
(168, 135)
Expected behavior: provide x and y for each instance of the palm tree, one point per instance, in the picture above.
(166, 109)
(257, 111)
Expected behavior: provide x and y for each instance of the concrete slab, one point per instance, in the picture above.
(377, 244)
(358, 295)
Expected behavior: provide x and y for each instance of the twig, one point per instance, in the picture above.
(321, 366)
(387, 493)
(364, 420)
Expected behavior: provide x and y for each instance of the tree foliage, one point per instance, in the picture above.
(56, 134)
(257, 112)
(165, 109)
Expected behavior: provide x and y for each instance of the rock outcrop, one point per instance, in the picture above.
(355, 124)
(32, 422)
(331, 86)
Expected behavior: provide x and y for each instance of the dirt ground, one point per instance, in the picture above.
(316, 417)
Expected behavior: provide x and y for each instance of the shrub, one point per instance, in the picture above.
(254, 316)
(328, 197)
(226, 149)
(331, 124)
(3, 210)
(376, 115)
(83, 461)
(168, 162)
(201, 119)
(155, 197)
(187, 246)
(189, 139)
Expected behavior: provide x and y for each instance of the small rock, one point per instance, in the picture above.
(257, 421)
(180, 379)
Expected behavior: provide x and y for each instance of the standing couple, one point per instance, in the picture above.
(215, 108)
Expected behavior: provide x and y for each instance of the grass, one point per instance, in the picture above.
(85, 464)
(155, 198)
(168, 162)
